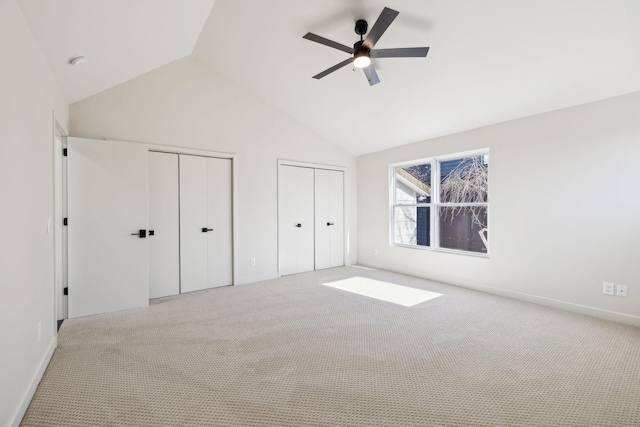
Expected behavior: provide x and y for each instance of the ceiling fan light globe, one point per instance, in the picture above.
(362, 61)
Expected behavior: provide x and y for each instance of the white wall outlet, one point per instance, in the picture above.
(607, 288)
(621, 290)
(49, 225)
(253, 262)
(375, 252)
(39, 330)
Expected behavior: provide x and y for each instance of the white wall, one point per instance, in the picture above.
(29, 96)
(564, 209)
(187, 104)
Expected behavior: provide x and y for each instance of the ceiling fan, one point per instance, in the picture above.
(363, 50)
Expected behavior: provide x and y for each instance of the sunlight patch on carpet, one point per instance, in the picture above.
(396, 294)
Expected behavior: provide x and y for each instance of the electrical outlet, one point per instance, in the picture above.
(607, 288)
(39, 330)
(621, 290)
(49, 225)
(375, 252)
(253, 262)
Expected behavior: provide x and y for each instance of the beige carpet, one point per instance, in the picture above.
(291, 352)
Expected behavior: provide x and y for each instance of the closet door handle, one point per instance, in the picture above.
(141, 233)
(299, 225)
(329, 224)
(205, 229)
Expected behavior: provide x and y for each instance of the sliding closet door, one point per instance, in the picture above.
(295, 219)
(164, 223)
(206, 252)
(193, 223)
(329, 226)
(219, 220)
(108, 205)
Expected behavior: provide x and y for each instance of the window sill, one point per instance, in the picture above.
(442, 250)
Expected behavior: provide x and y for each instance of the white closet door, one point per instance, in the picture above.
(329, 227)
(108, 201)
(193, 219)
(219, 220)
(206, 251)
(322, 218)
(336, 218)
(295, 219)
(164, 220)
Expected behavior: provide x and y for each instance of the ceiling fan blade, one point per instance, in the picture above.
(334, 68)
(371, 74)
(327, 42)
(403, 52)
(384, 20)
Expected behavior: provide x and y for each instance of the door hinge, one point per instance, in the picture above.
(66, 291)
(64, 152)
(65, 222)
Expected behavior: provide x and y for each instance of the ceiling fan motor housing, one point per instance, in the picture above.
(360, 49)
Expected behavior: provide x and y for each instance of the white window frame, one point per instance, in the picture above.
(435, 203)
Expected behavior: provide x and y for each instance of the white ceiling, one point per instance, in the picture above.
(121, 39)
(490, 61)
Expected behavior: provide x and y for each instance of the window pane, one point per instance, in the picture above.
(413, 184)
(465, 180)
(464, 228)
(412, 225)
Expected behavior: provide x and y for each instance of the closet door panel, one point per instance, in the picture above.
(295, 219)
(193, 218)
(329, 223)
(336, 217)
(322, 219)
(219, 220)
(287, 219)
(306, 261)
(164, 220)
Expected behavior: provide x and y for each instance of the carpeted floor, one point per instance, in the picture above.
(291, 352)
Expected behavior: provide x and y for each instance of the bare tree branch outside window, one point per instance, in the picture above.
(468, 182)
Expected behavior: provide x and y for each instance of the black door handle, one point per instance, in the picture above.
(330, 223)
(298, 225)
(205, 229)
(142, 234)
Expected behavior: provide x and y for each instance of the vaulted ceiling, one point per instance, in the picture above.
(121, 39)
(490, 61)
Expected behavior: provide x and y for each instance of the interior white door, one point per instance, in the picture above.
(295, 219)
(108, 203)
(329, 228)
(220, 223)
(164, 222)
(193, 223)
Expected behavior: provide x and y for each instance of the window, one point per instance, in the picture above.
(442, 203)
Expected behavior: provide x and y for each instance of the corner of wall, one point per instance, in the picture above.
(25, 400)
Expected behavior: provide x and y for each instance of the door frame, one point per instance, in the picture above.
(286, 162)
(59, 143)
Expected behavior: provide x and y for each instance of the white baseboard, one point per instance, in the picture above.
(37, 376)
(255, 278)
(613, 316)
